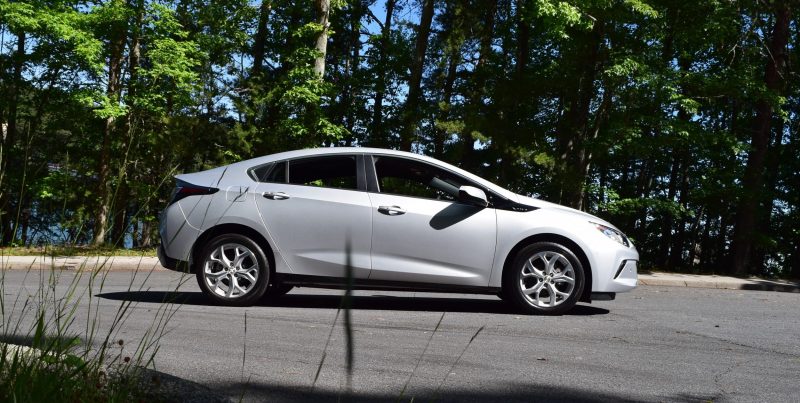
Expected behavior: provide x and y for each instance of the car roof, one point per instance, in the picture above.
(309, 152)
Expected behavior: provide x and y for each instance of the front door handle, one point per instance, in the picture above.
(391, 210)
(275, 195)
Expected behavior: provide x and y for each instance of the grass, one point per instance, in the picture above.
(55, 348)
(43, 358)
(71, 250)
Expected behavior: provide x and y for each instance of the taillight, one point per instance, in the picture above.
(185, 189)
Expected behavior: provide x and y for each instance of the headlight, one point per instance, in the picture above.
(613, 234)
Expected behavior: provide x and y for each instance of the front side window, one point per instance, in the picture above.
(407, 177)
(338, 171)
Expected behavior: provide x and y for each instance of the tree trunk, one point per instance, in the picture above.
(321, 46)
(752, 182)
(447, 94)
(120, 217)
(123, 192)
(522, 52)
(474, 109)
(667, 54)
(453, 39)
(679, 241)
(352, 47)
(796, 262)
(764, 211)
(574, 125)
(147, 234)
(377, 137)
(6, 210)
(18, 64)
(261, 38)
(669, 222)
(117, 47)
(411, 112)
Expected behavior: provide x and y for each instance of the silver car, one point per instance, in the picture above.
(382, 219)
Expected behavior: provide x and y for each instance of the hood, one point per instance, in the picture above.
(530, 201)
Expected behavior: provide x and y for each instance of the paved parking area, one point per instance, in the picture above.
(654, 344)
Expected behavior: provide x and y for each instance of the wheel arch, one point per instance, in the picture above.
(562, 240)
(231, 228)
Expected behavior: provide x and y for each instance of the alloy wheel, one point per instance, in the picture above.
(231, 270)
(547, 279)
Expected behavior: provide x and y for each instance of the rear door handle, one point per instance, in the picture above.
(391, 210)
(275, 195)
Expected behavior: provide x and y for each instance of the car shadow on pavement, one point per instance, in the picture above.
(373, 302)
(513, 392)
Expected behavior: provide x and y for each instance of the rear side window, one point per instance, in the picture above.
(260, 172)
(275, 172)
(337, 171)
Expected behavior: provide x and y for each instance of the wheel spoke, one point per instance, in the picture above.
(215, 275)
(214, 257)
(550, 264)
(218, 282)
(553, 294)
(249, 277)
(564, 279)
(239, 288)
(537, 296)
(231, 285)
(224, 258)
(240, 257)
(563, 294)
(533, 271)
(535, 289)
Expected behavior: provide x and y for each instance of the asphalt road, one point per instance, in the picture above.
(653, 344)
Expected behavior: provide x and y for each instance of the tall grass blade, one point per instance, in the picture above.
(347, 300)
(325, 349)
(419, 360)
(436, 393)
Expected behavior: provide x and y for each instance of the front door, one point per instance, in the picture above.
(420, 233)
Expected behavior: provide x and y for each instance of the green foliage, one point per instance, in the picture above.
(41, 358)
(558, 16)
(640, 111)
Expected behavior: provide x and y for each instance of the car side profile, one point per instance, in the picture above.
(383, 219)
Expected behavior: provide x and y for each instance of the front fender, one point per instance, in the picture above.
(515, 227)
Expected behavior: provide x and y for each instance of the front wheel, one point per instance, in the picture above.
(234, 270)
(545, 278)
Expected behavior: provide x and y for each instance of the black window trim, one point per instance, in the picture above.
(374, 187)
(251, 172)
(361, 175)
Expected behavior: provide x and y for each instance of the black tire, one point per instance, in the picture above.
(276, 291)
(222, 294)
(519, 274)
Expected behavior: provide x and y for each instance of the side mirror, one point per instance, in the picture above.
(472, 195)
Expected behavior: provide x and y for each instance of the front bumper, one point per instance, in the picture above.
(625, 277)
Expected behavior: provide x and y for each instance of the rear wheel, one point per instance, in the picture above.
(545, 278)
(234, 270)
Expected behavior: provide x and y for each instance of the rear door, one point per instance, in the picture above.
(420, 233)
(311, 207)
